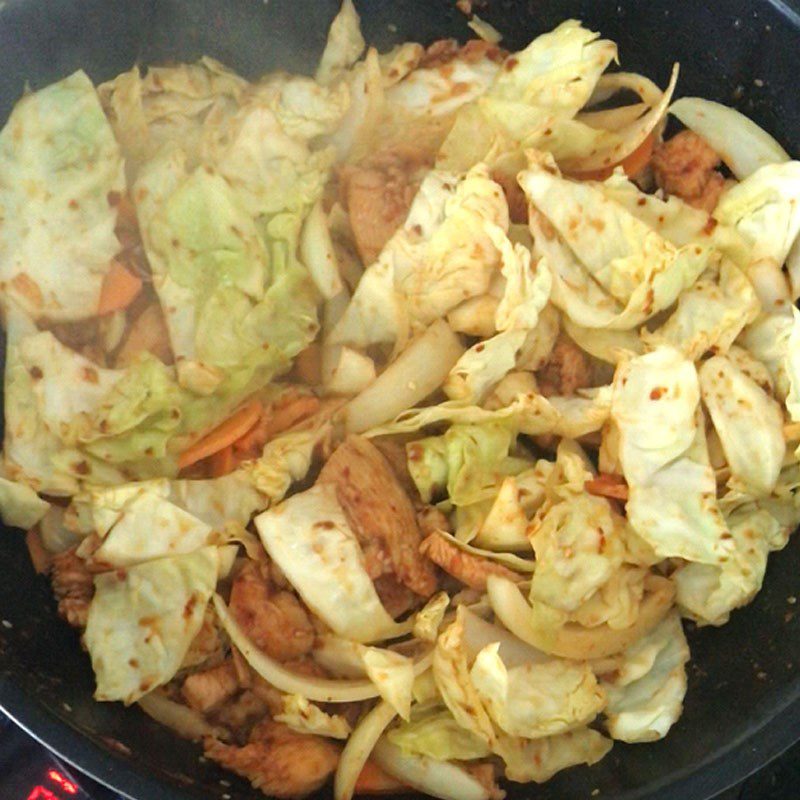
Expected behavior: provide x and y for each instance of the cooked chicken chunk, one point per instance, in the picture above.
(73, 587)
(279, 761)
(685, 166)
(567, 369)
(396, 598)
(206, 690)
(378, 194)
(380, 513)
(470, 569)
(275, 621)
(207, 647)
(243, 712)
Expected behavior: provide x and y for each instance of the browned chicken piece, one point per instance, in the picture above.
(240, 714)
(147, 334)
(206, 690)
(396, 598)
(73, 587)
(380, 513)
(707, 200)
(268, 695)
(207, 647)
(431, 519)
(275, 621)
(567, 369)
(377, 194)
(685, 166)
(393, 449)
(279, 761)
(471, 570)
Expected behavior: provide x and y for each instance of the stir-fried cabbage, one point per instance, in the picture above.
(610, 269)
(580, 377)
(647, 685)
(311, 541)
(59, 166)
(442, 255)
(143, 618)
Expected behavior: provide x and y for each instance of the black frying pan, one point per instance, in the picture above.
(743, 704)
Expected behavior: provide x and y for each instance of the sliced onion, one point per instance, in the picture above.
(514, 652)
(739, 142)
(420, 369)
(435, 778)
(339, 656)
(322, 690)
(614, 82)
(576, 641)
(358, 749)
(510, 560)
(628, 139)
(316, 250)
(613, 119)
(185, 721)
(346, 371)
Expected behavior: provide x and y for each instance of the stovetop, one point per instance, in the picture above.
(28, 771)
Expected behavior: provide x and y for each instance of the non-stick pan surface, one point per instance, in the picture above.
(743, 704)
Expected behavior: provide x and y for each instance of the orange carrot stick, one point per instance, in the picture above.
(606, 485)
(120, 288)
(222, 462)
(373, 780)
(275, 420)
(633, 164)
(223, 435)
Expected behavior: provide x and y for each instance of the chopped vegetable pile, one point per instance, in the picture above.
(382, 427)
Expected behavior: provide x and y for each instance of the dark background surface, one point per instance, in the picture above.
(743, 705)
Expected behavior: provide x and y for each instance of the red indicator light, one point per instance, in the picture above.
(68, 786)
(40, 793)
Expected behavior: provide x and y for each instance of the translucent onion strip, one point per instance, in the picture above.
(740, 143)
(435, 778)
(613, 119)
(420, 369)
(358, 749)
(572, 640)
(629, 138)
(185, 721)
(615, 82)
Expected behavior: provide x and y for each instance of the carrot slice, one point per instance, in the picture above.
(633, 164)
(275, 420)
(223, 435)
(222, 462)
(606, 485)
(120, 288)
(373, 780)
